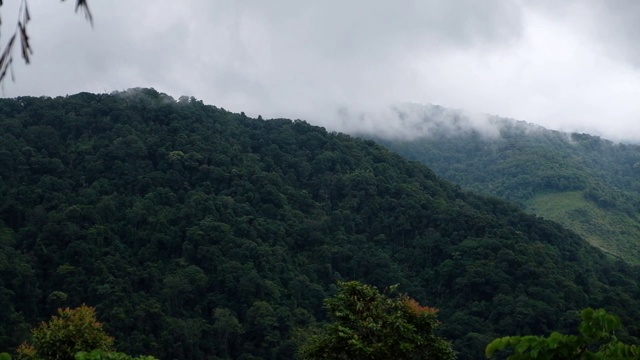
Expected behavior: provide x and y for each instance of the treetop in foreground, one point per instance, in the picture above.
(72, 331)
(368, 324)
(597, 340)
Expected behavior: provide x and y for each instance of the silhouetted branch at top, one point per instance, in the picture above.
(20, 32)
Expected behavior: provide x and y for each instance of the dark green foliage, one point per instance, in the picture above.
(370, 325)
(108, 355)
(596, 340)
(524, 159)
(198, 233)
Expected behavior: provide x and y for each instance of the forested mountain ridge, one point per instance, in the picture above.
(199, 233)
(588, 184)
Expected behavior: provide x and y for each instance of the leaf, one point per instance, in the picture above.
(554, 339)
(522, 347)
(6, 58)
(24, 41)
(497, 345)
(85, 7)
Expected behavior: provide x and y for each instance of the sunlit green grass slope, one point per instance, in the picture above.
(613, 231)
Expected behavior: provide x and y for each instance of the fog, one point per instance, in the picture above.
(569, 65)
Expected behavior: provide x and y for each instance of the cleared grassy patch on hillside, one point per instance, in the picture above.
(610, 230)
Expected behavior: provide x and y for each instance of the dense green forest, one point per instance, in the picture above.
(199, 233)
(586, 183)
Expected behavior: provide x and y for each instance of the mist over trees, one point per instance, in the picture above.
(587, 183)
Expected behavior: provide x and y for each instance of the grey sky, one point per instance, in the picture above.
(571, 65)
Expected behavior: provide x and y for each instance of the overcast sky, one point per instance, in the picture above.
(570, 65)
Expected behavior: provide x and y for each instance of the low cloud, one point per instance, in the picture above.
(568, 66)
(413, 121)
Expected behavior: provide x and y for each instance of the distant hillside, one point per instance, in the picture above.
(199, 233)
(588, 184)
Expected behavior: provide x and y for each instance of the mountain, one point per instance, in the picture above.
(588, 184)
(199, 233)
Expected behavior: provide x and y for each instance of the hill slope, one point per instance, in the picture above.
(588, 184)
(199, 233)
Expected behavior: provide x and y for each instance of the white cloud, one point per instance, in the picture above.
(539, 61)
